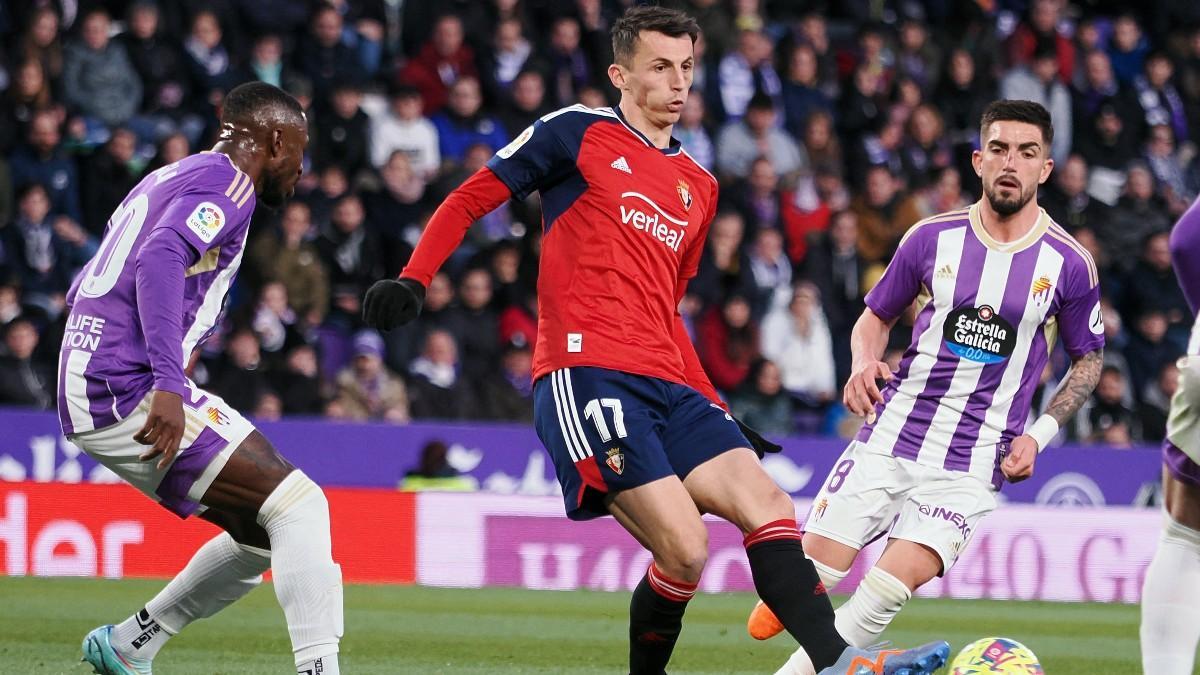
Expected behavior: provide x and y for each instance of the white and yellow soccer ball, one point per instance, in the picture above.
(996, 655)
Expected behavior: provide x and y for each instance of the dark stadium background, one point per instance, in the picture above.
(833, 126)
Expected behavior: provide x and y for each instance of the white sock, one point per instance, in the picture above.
(799, 663)
(1171, 602)
(307, 581)
(221, 572)
(863, 618)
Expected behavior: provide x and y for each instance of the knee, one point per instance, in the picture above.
(685, 558)
(297, 499)
(779, 506)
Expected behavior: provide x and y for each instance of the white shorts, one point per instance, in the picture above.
(212, 431)
(869, 494)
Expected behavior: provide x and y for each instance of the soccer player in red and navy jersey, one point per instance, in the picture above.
(633, 425)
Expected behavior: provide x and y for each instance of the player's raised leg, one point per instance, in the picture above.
(221, 572)
(734, 486)
(1170, 625)
(662, 517)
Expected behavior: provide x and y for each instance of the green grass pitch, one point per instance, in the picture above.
(393, 629)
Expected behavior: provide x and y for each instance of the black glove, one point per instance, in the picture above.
(392, 302)
(761, 445)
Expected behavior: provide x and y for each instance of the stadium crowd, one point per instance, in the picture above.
(832, 126)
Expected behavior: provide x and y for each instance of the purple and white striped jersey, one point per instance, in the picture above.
(154, 289)
(988, 318)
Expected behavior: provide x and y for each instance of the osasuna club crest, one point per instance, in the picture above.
(685, 195)
(616, 460)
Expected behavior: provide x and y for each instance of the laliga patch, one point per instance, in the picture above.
(206, 221)
(979, 334)
(508, 150)
(1096, 320)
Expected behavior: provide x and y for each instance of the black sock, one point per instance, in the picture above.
(655, 620)
(788, 583)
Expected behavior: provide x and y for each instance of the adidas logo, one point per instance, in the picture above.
(621, 165)
(946, 272)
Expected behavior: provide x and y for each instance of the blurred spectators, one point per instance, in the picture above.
(727, 342)
(761, 402)
(44, 250)
(833, 129)
(353, 257)
(366, 389)
(475, 325)
(288, 255)
(1109, 418)
(341, 128)
(24, 381)
(463, 123)
(403, 128)
(1040, 82)
(106, 177)
(437, 387)
(240, 377)
(746, 71)
(42, 159)
(98, 79)
(796, 337)
(883, 214)
(757, 135)
(325, 57)
(298, 382)
(440, 63)
(507, 395)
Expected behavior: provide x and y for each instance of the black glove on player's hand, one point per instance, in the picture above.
(392, 302)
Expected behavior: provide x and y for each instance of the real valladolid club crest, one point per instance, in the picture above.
(616, 460)
(685, 195)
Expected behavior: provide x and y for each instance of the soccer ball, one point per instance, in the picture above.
(996, 655)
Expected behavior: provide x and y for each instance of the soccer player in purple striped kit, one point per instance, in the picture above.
(995, 283)
(150, 295)
(1171, 595)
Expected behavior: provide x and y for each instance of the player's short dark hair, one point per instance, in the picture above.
(669, 22)
(1029, 112)
(245, 100)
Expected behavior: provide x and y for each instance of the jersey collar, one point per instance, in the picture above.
(1029, 238)
(673, 147)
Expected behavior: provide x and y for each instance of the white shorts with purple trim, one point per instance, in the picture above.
(869, 494)
(212, 431)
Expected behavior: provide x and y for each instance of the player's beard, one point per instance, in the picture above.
(273, 195)
(1006, 206)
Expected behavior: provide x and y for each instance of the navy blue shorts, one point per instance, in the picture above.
(609, 431)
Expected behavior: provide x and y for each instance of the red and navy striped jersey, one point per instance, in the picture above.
(624, 226)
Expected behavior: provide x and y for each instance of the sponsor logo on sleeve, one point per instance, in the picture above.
(206, 221)
(979, 334)
(1096, 321)
(508, 150)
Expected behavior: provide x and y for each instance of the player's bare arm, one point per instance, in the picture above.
(867, 342)
(1081, 380)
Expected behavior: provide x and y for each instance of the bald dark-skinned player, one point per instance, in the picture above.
(149, 297)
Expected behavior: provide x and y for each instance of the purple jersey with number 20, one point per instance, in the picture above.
(989, 313)
(154, 290)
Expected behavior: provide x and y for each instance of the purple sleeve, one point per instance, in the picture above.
(1080, 321)
(901, 281)
(160, 269)
(205, 217)
(1185, 248)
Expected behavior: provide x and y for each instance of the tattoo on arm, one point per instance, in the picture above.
(1082, 379)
